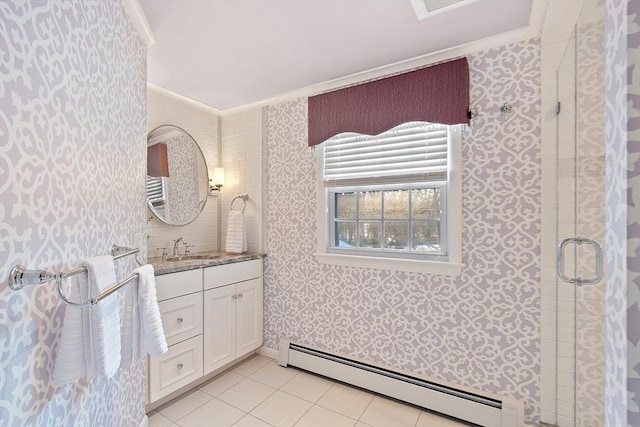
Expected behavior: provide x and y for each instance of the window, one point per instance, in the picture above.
(395, 196)
(403, 222)
(156, 192)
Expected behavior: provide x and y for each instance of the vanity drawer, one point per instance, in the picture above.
(223, 275)
(181, 317)
(181, 365)
(177, 284)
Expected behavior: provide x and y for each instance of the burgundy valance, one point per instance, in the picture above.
(437, 94)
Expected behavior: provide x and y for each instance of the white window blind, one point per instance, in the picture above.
(411, 152)
(155, 192)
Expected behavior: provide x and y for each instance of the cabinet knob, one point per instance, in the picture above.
(240, 296)
(234, 297)
(180, 365)
(180, 320)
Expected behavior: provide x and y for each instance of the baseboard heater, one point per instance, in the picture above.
(463, 403)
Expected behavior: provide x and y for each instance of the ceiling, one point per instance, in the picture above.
(230, 53)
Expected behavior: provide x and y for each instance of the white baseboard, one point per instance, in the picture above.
(267, 352)
(144, 422)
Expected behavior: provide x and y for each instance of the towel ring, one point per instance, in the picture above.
(244, 198)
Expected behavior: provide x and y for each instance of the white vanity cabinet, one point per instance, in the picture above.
(211, 317)
(180, 300)
(232, 312)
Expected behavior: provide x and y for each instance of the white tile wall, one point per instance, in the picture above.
(203, 123)
(242, 162)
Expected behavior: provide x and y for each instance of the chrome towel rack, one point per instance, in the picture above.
(20, 276)
(244, 197)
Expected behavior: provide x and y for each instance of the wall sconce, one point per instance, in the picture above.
(157, 160)
(216, 181)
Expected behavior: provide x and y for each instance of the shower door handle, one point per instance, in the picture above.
(560, 261)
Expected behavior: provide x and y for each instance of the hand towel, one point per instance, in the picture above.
(236, 233)
(151, 331)
(71, 362)
(104, 318)
(90, 340)
(130, 316)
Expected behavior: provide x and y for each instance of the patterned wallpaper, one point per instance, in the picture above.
(590, 311)
(186, 192)
(623, 226)
(72, 183)
(633, 221)
(481, 329)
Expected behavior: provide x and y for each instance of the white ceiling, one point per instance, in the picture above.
(229, 53)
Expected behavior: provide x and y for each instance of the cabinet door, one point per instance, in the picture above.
(248, 316)
(219, 327)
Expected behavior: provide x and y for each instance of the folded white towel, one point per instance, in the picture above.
(105, 318)
(71, 362)
(152, 333)
(130, 340)
(90, 341)
(236, 233)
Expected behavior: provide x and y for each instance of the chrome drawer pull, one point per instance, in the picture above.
(180, 366)
(180, 320)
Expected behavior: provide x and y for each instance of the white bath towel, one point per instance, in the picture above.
(90, 341)
(71, 361)
(130, 339)
(151, 331)
(236, 233)
(105, 318)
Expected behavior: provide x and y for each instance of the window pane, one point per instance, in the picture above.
(396, 204)
(345, 233)
(425, 203)
(370, 204)
(426, 236)
(370, 234)
(346, 205)
(396, 234)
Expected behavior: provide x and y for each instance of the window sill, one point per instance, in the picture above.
(394, 264)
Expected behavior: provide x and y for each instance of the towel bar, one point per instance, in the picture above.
(94, 300)
(20, 277)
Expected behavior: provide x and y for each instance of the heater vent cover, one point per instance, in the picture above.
(464, 403)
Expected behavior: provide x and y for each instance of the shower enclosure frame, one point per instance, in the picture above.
(573, 286)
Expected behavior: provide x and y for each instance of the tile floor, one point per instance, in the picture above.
(259, 393)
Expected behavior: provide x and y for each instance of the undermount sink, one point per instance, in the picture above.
(192, 257)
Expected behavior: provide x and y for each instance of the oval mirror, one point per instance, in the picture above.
(177, 176)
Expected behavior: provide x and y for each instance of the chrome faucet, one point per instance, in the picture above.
(176, 243)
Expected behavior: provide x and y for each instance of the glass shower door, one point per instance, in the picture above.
(581, 224)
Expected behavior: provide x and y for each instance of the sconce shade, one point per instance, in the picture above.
(218, 177)
(157, 160)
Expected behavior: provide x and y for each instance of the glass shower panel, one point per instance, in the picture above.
(566, 228)
(581, 218)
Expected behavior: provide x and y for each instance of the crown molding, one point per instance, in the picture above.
(533, 30)
(139, 19)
